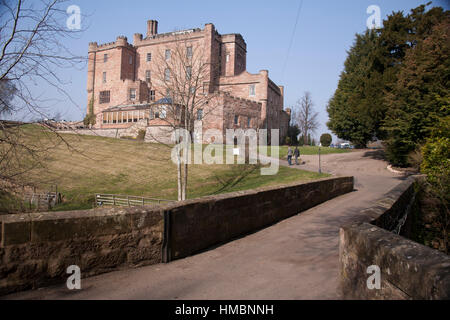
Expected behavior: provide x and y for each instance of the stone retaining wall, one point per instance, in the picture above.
(409, 270)
(200, 224)
(36, 249)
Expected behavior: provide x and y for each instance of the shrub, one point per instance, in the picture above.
(141, 135)
(436, 161)
(90, 118)
(326, 140)
(436, 165)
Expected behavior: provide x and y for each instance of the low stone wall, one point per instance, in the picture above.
(36, 249)
(200, 224)
(107, 133)
(408, 270)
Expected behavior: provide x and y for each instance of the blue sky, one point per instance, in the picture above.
(325, 31)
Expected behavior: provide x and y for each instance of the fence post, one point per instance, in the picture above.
(128, 199)
(114, 200)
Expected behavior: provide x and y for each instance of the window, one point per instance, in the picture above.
(228, 58)
(252, 90)
(152, 114)
(189, 52)
(168, 54)
(104, 97)
(200, 114)
(149, 57)
(236, 120)
(105, 57)
(168, 93)
(249, 121)
(188, 73)
(147, 76)
(152, 95)
(130, 59)
(192, 90)
(167, 74)
(104, 77)
(132, 94)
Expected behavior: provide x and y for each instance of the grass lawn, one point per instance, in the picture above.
(103, 165)
(307, 150)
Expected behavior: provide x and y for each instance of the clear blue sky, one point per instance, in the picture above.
(325, 31)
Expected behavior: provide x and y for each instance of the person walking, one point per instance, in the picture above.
(289, 156)
(296, 155)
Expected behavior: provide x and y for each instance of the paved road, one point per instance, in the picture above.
(294, 259)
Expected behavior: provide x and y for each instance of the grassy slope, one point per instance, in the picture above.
(102, 165)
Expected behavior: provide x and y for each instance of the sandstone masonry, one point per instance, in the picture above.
(120, 82)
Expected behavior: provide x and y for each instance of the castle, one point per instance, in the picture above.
(123, 94)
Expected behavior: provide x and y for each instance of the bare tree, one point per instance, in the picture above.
(31, 51)
(183, 75)
(305, 116)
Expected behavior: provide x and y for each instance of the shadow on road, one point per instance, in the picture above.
(375, 154)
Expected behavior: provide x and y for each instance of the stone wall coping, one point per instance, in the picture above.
(413, 267)
(414, 270)
(110, 212)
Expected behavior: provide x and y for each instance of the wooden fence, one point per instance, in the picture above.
(125, 201)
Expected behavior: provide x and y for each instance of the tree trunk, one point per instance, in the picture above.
(180, 185)
(185, 178)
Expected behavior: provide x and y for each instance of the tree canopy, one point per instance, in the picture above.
(394, 84)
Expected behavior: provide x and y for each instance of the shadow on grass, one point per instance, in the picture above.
(234, 177)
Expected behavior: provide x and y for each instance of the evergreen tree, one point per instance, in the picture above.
(356, 109)
(421, 96)
(365, 103)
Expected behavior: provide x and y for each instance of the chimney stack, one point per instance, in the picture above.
(152, 28)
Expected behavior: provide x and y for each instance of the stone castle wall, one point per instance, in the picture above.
(126, 66)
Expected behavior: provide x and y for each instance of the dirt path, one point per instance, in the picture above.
(294, 259)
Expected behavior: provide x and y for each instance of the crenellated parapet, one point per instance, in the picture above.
(121, 41)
